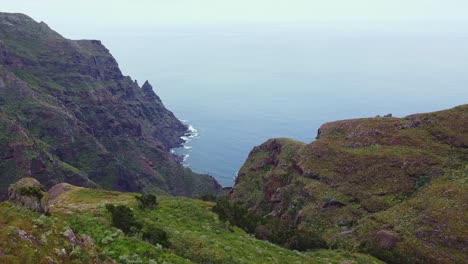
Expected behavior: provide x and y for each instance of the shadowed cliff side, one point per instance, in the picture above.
(67, 114)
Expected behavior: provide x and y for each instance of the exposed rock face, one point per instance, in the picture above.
(394, 187)
(28, 193)
(68, 114)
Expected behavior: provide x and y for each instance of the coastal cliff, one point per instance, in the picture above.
(68, 114)
(392, 187)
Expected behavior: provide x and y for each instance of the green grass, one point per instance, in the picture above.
(195, 234)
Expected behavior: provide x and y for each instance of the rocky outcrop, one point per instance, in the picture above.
(393, 187)
(28, 193)
(386, 239)
(75, 118)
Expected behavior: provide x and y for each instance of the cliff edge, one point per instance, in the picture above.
(68, 114)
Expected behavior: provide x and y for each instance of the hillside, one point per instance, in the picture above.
(68, 114)
(393, 187)
(78, 229)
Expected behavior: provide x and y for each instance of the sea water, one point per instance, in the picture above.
(236, 87)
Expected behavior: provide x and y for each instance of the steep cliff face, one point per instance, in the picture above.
(394, 187)
(68, 114)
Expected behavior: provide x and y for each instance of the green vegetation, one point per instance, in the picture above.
(37, 192)
(123, 218)
(375, 185)
(266, 228)
(236, 214)
(179, 230)
(155, 235)
(147, 201)
(208, 198)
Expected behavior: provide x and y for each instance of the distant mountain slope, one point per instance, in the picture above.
(393, 187)
(68, 114)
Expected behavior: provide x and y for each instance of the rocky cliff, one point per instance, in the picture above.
(68, 114)
(393, 187)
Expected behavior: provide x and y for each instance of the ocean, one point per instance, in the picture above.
(237, 86)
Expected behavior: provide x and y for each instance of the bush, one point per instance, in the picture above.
(147, 201)
(236, 215)
(303, 240)
(37, 192)
(272, 230)
(208, 198)
(267, 228)
(155, 235)
(123, 218)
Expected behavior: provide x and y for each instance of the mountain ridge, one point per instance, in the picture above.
(87, 123)
(363, 185)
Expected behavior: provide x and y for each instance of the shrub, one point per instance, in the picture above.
(208, 198)
(6, 204)
(37, 192)
(155, 235)
(123, 218)
(147, 201)
(272, 230)
(236, 215)
(267, 228)
(303, 240)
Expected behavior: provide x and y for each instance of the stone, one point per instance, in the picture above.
(28, 193)
(387, 239)
(346, 232)
(87, 241)
(333, 203)
(50, 260)
(70, 235)
(24, 235)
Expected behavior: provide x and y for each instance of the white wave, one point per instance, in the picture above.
(189, 135)
(185, 138)
(192, 129)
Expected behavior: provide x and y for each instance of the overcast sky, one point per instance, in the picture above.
(148, 12)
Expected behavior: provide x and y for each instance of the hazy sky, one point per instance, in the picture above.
(67, 13)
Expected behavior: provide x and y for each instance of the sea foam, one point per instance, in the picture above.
(184, 150)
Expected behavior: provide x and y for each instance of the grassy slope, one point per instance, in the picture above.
(432, 223)
(391, 174)
(195, 233)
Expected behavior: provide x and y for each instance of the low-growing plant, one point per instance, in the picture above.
(37, 192)
(208, 198)
(421, 182)
(155, 235)
(123, 218)
(267, 228)
(147, 201)
(236, 215)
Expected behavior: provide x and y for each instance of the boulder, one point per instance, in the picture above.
(28, 193)
(387, 239)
